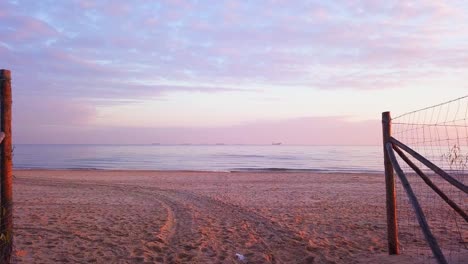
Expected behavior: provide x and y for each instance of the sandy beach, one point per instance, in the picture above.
(81, 216)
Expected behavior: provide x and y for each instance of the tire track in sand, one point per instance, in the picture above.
(210, 230)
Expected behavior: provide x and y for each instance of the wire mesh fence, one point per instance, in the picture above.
(440, 134)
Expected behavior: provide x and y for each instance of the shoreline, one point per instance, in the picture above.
(253, 170)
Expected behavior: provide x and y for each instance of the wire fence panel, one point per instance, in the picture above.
(440, 134)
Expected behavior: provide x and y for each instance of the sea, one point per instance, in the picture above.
(351, 159)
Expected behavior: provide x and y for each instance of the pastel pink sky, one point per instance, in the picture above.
(299, 72)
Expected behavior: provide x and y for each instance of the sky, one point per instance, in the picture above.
(233, 72)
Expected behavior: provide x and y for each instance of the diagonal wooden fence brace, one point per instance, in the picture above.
(428, 181)
(431, 240)
(431, 165)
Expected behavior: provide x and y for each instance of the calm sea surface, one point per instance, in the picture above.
(201, 157)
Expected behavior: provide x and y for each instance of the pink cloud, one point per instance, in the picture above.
(118, 9)
(51, 112)
(20, 29)
(311, 130)
(86, 4)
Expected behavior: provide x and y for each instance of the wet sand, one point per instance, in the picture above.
(80, 216)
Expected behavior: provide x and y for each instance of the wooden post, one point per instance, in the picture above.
(392, 227)
(6, 190)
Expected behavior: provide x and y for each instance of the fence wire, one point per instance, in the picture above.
(440, 134)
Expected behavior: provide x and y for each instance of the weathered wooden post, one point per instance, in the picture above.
(6, 181)
(392, 228)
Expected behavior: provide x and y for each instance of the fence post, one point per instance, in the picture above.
(6, 190)
(392, 228)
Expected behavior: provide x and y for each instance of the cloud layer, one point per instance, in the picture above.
(309, 130)
(86, 53)
(111, 47)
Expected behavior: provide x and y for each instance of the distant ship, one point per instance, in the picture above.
(276, 143)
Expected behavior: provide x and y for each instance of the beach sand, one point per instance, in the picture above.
(85, 216)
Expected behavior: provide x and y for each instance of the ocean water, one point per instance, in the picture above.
(201, 157)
